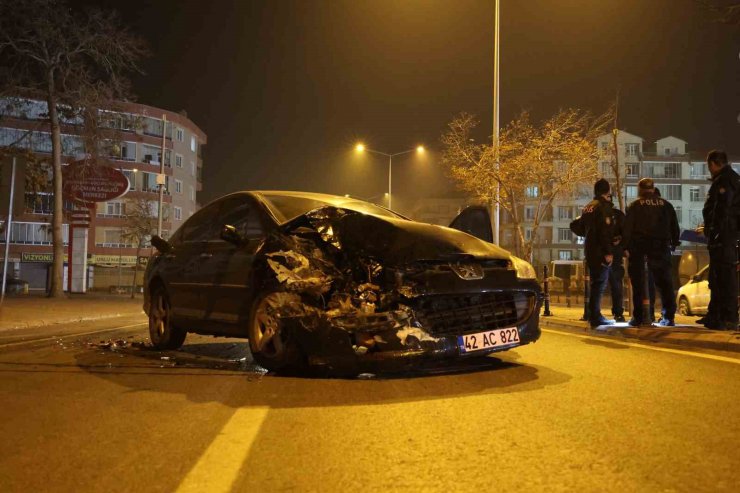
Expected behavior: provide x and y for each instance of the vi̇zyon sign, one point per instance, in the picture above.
(87, 182)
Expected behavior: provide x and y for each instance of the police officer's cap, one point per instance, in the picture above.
(646, 184)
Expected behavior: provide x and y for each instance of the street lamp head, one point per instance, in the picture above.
(420, 149)
(360, 147)
(134, 170)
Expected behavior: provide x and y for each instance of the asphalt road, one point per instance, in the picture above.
(570, 413)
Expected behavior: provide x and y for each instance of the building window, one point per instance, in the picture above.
(33, 233)
(192, 168)
(670, 192)
(565, 212)
(679, 213)
(116, 209)
(178, 186)
(699, 171)
(606, 169)
(633, 170)
(529, 212)
(532, 191)
(131, 175)
(149, 183)
(193, 144)
(112, 239)
(630, 192)
(604, 145)
(697, 194)
(178, 160)
(631, 149)
(528, 234)
(192, 193)
(123, 151)
(39, 203)
(565, 235)
(180, 133)
(663, 170)
(178, 213)
(565, 254)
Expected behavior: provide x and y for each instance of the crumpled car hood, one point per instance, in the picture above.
(397, 241)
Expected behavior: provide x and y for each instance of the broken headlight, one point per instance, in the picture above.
(524, 269)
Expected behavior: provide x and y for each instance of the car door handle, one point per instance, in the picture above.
(206, 255)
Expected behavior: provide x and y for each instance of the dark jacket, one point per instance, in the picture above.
(618, 248)
(651, 224)
(721, 208)
(598, 223)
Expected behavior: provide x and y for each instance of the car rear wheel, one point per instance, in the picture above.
(683, 306)
(270, 346)
(163, 334)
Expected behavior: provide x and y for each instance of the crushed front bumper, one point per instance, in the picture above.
(431, 333)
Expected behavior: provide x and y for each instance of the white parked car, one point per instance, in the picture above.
(693, 297)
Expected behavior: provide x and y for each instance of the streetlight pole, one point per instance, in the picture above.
(8, 227)
(362, 148)
(496, 122)
(161, 179)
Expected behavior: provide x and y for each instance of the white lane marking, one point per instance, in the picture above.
(219, 466)
(77, 334)
(653, 348)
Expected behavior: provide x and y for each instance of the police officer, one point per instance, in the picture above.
(651, 229)
(720, 227)
(616, 272)
(598, 222)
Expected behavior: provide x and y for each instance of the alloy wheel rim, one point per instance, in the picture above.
(266, 329)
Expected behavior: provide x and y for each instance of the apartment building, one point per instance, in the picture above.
(135, 148)
(680, 174)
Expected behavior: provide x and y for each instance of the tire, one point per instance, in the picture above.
(270, 348)
(683, 306)
(162, 333)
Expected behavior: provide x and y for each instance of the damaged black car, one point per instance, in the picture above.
(322, 281)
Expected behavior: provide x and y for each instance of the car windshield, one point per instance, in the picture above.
(288, 206)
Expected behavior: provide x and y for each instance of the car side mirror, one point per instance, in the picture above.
(231, 235)
(161, 244)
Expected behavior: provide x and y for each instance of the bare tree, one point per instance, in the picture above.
(140, 225)
(533, 165)
(75, 63)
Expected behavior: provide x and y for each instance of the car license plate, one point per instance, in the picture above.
(488, 340)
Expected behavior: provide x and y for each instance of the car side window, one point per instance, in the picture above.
(241, 213)
(200, 227)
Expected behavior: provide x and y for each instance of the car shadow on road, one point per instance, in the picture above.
(224, 372)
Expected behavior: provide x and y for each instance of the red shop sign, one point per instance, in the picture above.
(86, 181)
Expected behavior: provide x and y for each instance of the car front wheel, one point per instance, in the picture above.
(270, 346)
(683, 306)
(163, 334)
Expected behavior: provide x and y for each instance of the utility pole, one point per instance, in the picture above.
(161, 179)
(496, 122)
(8, 225)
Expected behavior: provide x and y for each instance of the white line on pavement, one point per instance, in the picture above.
(219, 466)
(654, 348)
(76, 334)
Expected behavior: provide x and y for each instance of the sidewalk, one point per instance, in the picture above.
(686, 332)
(32, 311)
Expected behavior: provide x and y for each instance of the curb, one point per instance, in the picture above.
(684, 336)
(44, 323)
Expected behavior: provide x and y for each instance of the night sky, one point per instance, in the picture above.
(284, 89)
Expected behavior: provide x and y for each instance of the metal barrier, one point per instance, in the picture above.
(546, 289)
